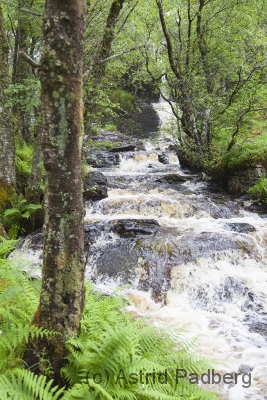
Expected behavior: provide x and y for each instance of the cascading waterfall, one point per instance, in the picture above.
(191, 257)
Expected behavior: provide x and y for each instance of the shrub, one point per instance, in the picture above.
(260, 189)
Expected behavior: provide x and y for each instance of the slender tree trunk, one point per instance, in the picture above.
(98, 69)
(22, 72)
(7, 148)
(62, 295)
(33, 191)
(188, 120)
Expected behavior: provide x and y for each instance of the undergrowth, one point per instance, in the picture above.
(260, 189)
(104, 361)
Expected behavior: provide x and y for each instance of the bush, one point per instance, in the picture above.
(260, 189)
(124, 99)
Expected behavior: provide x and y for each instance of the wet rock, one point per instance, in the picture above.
(172, 178)
(163, 158)
(115, 142)
(92, 232)
(132, 227)
(34, 241)
(123, 148)
(244, 369)
(95, 186)
(102, 159)
(240, 227)
(259, 327)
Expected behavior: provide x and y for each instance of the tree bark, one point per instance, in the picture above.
(22, 71)
(7, 147)
(62, 295)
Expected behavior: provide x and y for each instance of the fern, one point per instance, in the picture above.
(20, 209)
(110, 343)
(6, 246)
(19, 298)
(113, 344)
(25, 385)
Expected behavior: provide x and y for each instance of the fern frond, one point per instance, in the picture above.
(25, 385)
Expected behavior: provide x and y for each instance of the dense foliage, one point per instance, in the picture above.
(111, 341)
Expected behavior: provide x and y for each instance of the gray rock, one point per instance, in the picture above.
(172, 178)
(133, 227)
(244, 369)
(163, 158)
(102, 159)
(123, 148)
(240, 227)
(235, 186)
(95, 186)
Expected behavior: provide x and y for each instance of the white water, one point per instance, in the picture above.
(221, 322)
(210, 294)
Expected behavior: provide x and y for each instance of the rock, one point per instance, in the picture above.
(163, 158)
(95, 186)
(235, 186)
(240, 227)
(133, 227)
(102, 159)
(143, 123)
(205, 177)
(172, 178)
(114, 142)
(93, 231)
(123, 148)
(244, 369)
(259, 327)
(244, 178)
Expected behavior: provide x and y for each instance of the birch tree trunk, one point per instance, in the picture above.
(62, 295)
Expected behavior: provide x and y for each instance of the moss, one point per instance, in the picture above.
(6, 193)
(63, 127)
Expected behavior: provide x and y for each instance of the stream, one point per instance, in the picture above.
(192, 256)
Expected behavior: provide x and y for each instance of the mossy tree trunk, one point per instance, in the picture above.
(22, 70)
(62, 295)
(99, 66)
(7, 152)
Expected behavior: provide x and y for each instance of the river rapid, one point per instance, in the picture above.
(205, 266)
(191, 255)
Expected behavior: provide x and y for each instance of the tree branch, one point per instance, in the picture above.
(28, 59)
(30, 12)
(88, 71)
(121, 53)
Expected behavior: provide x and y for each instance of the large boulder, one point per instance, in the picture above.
(95, 186)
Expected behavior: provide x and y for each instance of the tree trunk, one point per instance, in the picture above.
(22, 72)
(7, 147)
(62, 295)
(33, 191)
(98, 69)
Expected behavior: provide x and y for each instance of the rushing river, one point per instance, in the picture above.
(192, 256)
